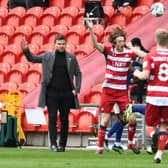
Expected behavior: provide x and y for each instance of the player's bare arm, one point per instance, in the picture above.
(141, 75)
(97, 45)
(137, 51)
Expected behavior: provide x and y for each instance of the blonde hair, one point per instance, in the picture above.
(161, 36)
(117, 32)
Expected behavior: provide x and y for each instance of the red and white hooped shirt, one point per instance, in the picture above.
(117, 68)
(157, 89)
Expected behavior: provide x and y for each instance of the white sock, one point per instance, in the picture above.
(158, 154)
(129, 142)
(117, 143)
(152, 133)
(106, 137)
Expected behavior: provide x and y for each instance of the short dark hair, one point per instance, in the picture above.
(59, 37)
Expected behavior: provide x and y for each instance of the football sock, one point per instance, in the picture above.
(140, 108)
(162, 139)
(117, 126)
(119, 134)
(131, 132)
(102, 131)
(150, 131)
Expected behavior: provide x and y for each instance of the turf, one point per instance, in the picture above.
(43, 158)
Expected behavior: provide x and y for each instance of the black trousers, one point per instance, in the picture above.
(63, 105)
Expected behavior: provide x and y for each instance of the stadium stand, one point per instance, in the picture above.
(34, 74)
(50, 16)
(55, 30)
(7, 86)
(6, 33)
(138, 12)
(39, 35)
(32, 17)
(70, 48)
(21, 32)
(18, 72)
(26, 87)
(59, 19)
(15, 16)
(4, 70)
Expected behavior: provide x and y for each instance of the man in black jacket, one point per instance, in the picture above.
(58, 92)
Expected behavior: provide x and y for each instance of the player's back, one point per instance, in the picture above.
(158, 80)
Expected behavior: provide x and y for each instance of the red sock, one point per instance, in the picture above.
(101, 137)
(162, 142)
(149, 130)
(131, 132)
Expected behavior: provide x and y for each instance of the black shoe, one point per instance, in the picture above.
(157, 160)
(154, 144)
(118, 149)
(61, 149)
(54, 148)
(134, 148)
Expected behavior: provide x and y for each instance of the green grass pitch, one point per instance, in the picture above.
(44, 158)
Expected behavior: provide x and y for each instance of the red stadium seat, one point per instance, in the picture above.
(4, 70)
(21, 32)
(58, 3)
(72, 10)
(108, 13)
(127, 11)
(32, 17)
(138, 12)
(76, 34)
(47, 47)
(6, 87)
(58, 29)
(3, 3)
(6, 33)
(11, 54)
(17, 73)
(26, 87)
(109, 30)
(34, 74)
(99, 32)
(83, 50)
(72, 122)
(74, 3)
(144, 2)
(15, 16)
(85, 122)
(66, 19)
(80, 16)
(107, 2)
(50, 16)
(3, 12)
(39, 35)
(70, 48)
(1, 49)
(120, 19)
(25, 125)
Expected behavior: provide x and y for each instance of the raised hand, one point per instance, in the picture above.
(24, 43)
(89, 23)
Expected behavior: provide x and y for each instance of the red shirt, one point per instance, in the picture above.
(157, 90)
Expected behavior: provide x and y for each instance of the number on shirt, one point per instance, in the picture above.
(163, 72)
